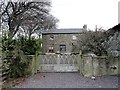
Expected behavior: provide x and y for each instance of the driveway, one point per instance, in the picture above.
(68, 80)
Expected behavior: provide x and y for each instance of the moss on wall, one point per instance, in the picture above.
(100, 65)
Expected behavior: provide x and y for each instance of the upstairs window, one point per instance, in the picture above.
(74, 37)
(51, 37)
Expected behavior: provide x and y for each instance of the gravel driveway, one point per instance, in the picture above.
(68, 80)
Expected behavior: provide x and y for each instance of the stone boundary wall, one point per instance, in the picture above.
(99, 66)
(88, 65)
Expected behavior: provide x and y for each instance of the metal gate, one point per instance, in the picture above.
(59, 63)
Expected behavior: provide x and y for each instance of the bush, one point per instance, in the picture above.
(93, 42)
(14, 55)
(30, 46)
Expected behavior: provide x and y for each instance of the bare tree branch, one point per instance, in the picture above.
(18, 14)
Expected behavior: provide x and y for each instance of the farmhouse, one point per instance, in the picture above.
(61, 40)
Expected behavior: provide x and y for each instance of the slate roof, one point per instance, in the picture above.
(63, 31)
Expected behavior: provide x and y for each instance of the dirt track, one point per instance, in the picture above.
(68, 80)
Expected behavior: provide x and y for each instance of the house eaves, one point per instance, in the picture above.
(63, 31)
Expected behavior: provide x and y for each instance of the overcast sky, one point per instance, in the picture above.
(76, 13)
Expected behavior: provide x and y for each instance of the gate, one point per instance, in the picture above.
(59, 63)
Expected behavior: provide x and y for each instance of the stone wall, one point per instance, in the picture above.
(87, 65)
(60, 39)
(99, 66)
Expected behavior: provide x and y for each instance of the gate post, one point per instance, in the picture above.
(80, 62)
(36, 63)
(33, 68)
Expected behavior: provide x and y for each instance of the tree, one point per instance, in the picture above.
(39, 24)
(17, 14)
(28, 17)
(93, 42)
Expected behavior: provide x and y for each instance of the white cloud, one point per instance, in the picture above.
(76, 13)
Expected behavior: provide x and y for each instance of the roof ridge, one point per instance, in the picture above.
(63, 30)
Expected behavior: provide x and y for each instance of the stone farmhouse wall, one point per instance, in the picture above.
(61, 39)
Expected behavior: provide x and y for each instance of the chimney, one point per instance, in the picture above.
(85, 26)
(96, 28)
